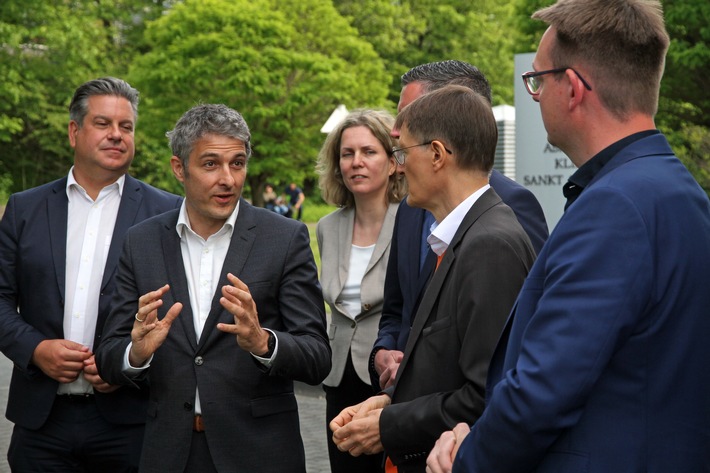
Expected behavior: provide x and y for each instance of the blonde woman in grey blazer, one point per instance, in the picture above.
(358, 174)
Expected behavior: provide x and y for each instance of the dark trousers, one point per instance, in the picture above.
(76, 439)
(350, 392)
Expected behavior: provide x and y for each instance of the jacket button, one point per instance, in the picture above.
(187, 406)
(199, 360)
(366, 307)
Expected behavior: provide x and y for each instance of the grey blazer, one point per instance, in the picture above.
(442, 378)
(249, 412)
(334, 233)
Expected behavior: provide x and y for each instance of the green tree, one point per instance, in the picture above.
(284, 64)
(412, 32)
(46, 50)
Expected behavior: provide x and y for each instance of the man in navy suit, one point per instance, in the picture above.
(411, 260)
(603, 363)
(59, 245)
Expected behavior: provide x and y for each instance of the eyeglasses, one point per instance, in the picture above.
(400, 156)
(532, 83)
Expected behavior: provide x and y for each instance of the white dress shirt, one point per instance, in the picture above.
(443, 232)
(90, 225)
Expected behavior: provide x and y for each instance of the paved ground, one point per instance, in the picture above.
(311, 403)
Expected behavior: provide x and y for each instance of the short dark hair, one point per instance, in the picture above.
(461, 118)
(622, 42)
(203, 119)
(79, 106)
(435, 75)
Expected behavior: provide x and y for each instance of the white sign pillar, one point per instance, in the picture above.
(540, 167)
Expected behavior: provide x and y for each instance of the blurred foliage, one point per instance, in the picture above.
(285, 65)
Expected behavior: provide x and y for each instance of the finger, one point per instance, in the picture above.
(152, 295)
(236, 282)
(172, 314)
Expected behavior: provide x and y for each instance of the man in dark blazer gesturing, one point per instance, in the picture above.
(59, 247)
(219, 309)
(603, 365)
(447, 147)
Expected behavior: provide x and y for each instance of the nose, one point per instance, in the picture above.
(357, 159)
(114, 133)
(225, 176)
(399, 168)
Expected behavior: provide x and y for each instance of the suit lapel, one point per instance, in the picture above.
(177, 278)
(57, 213)
(430, 299)
(384, 238)
(126, 217)
(345, 243)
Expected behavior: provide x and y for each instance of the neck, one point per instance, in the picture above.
(599, 134)
(458, 187)
(369, 214)
(93, 183)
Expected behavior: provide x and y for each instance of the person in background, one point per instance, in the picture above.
(357, 174)
(411, 259)
(447, 142)
(603, 363)
(59, 246)
(253, 319)
(296, 197)
(269, 196)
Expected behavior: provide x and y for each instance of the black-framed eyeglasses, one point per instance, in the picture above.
(400, 156)
(533, 83)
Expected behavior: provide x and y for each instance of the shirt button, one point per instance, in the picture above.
(199, 360)
(366, 307)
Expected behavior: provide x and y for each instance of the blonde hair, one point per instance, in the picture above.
(623, 43)
(330, 180)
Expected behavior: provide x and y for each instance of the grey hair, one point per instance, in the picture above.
(79, 106)
(203, 119)
(435, 75)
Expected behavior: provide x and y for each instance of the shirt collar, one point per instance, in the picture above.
(586, 173)
(443, 232)
(71, 182)
(183, 223)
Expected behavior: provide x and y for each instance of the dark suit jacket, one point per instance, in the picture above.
(33, 236)
(404, 283)
(441, 380)
(250, 413)
(603, 365)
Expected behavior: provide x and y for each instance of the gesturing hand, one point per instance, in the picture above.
(148, 332)
(247, 329)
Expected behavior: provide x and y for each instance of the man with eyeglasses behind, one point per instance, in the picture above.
(447, 148)
(603, 365)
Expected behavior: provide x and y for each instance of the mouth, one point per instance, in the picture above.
(224, 198)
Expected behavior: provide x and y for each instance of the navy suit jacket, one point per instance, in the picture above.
(603, 363)
(250, 413)
(404, 282)
(33, 235)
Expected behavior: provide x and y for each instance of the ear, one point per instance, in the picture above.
(72, 131)
(178, 169)
(393, 165)
(440, 156)
(576, 89)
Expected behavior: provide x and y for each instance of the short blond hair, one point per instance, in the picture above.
(623, 43)
(332, 187)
